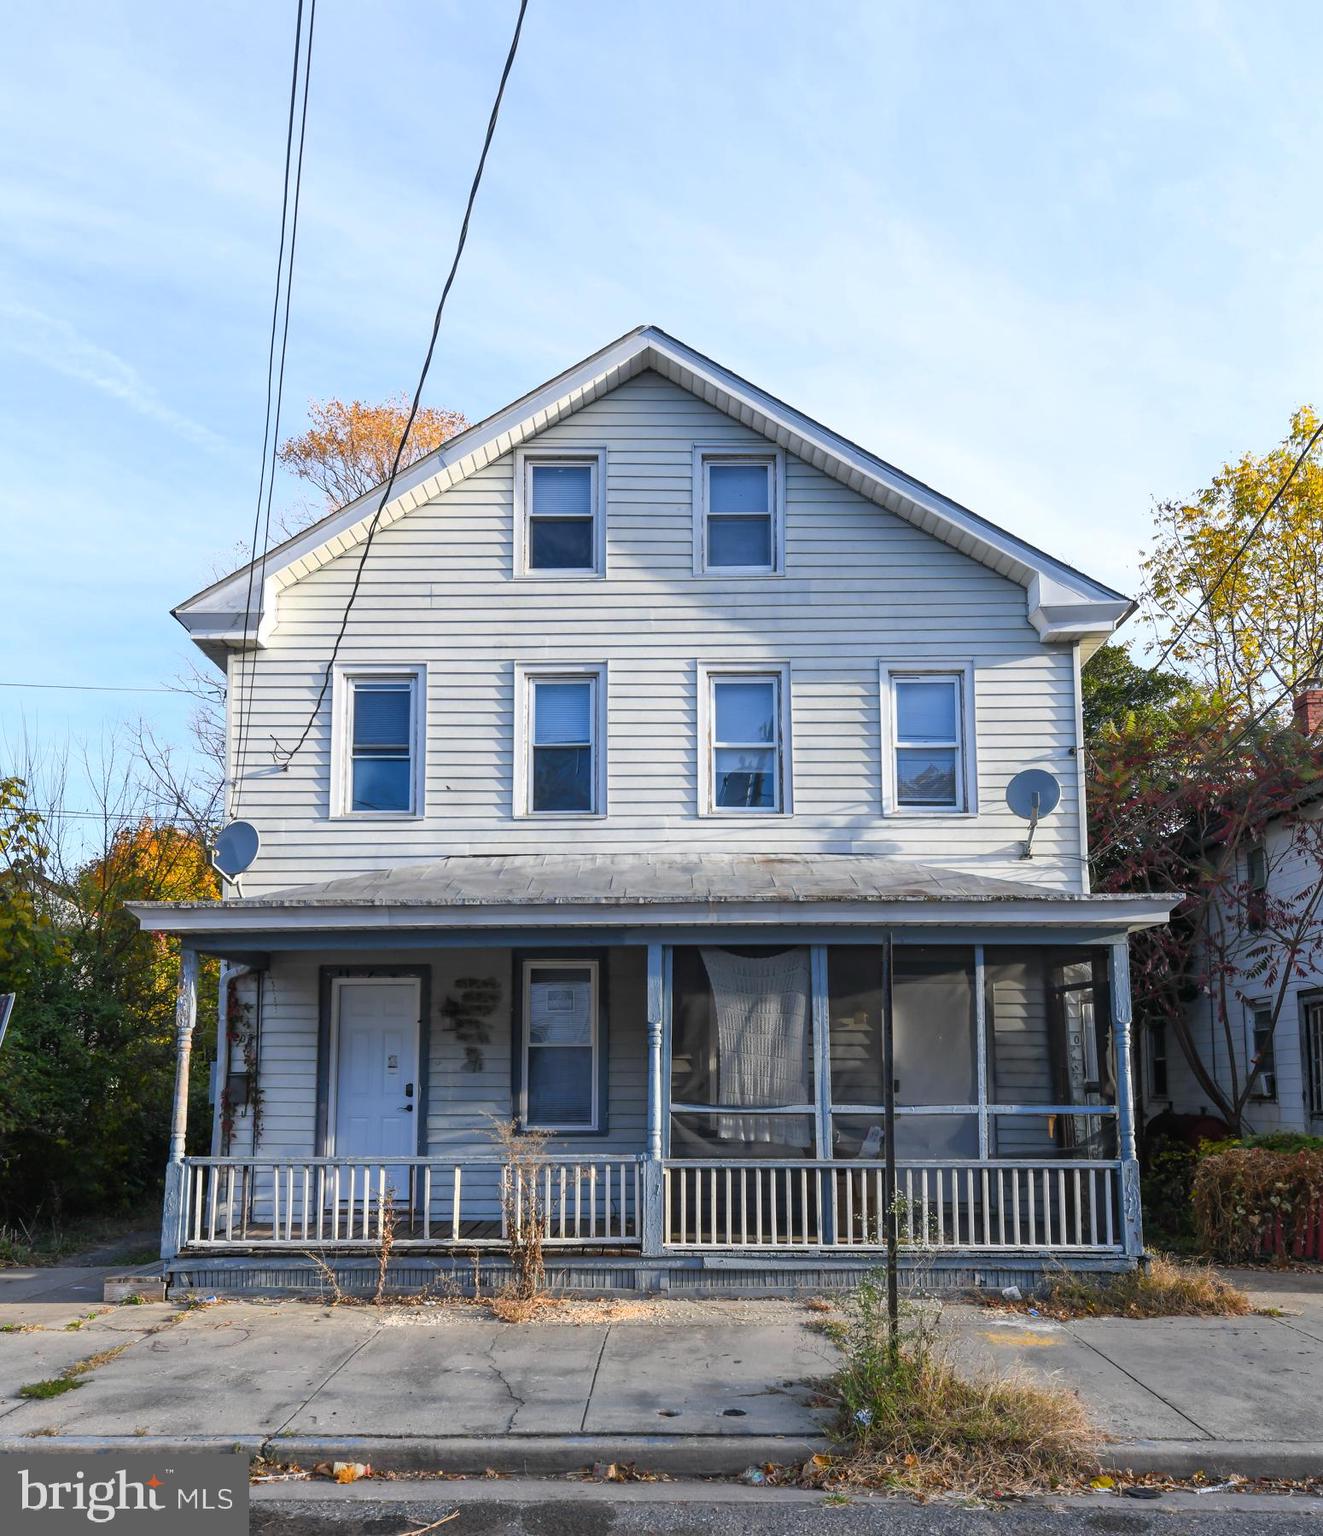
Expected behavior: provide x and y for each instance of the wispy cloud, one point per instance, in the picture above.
(58, 345)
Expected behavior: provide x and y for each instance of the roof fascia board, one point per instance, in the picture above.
(241, 916)
(1063, 605)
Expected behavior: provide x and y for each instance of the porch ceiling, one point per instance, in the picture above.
(483, 890)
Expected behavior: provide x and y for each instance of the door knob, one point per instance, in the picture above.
(407, 1108)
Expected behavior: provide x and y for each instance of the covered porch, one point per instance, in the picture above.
(706, 1074)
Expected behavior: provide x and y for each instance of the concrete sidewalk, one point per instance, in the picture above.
(691, 1387)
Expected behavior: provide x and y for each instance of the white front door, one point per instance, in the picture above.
(375, 1113)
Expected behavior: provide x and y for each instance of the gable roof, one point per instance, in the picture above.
(1063, 604)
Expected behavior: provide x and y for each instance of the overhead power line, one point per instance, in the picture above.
(275, 385)
(1237, 556)
(289, 755)
(95, 687)
(1255, 720)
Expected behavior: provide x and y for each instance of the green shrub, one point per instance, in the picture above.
(1167, 1185)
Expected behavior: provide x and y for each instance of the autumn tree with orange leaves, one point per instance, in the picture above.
(350, 445)
(87, 1066)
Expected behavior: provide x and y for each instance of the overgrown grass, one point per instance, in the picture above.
(55, 1386)
(1161, 1288)
(914, 1422)
(45, 1241)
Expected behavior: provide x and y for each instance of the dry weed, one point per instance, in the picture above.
(912, 1421)
(1161, 1288)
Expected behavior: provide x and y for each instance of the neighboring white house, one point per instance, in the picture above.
(662, 713)
(1282, 871)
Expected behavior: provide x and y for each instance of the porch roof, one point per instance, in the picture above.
(484, 890)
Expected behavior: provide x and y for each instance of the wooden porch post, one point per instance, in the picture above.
(651, 1216)
(186, 1013)
(1132, 1225)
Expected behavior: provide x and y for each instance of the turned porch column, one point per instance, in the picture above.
(186, 1014)
(1132, 1225)
(651, 1223)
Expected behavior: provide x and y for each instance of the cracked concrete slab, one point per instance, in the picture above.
(1050, 1352)
(710, 1380)
(1241, 1378)
(239, 1369)
(45, 1352)
(474, 1377)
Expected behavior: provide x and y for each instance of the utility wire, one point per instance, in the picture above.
(95, 687)
(275, 381)
(1236, 558)
(288, 756)
(1223, 753)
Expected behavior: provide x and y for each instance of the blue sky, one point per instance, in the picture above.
(1057, 259)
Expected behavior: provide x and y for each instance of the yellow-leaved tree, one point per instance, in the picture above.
(349, 445)
(1258, 630)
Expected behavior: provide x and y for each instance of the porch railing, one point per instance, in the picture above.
(336, 1202)
(1059, 1205)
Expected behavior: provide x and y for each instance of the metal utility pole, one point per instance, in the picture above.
(889, 1153)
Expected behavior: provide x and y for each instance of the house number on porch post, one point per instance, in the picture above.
(1125, 1108)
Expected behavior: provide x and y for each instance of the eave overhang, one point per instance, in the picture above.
(197, 921)
(1063, 605)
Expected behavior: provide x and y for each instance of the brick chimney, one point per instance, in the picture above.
(1308, 706)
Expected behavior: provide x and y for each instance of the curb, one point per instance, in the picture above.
(678, 1455)
(1218, 1458)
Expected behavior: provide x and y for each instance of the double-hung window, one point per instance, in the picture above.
(1311, 1030)
(378, 735)
(560, 513)
(746, 741)
(1262, 1053)
(561, 1046)
(739, 522)
(927, 753)
(563, 753)
(1256, 871)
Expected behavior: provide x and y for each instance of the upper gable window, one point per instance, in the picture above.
(377, 729)
(927, 754)
(560, 513)
(738, 526)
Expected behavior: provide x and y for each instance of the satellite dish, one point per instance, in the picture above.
(236, 848)
(1031, 783)
(1032, 794)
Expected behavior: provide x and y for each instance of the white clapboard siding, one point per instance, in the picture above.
(862, 586)
(1020, 1035)
(1293, 873)
(463, 1103)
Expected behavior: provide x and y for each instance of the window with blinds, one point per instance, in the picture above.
(561, 511)
(381, 733)
(562, 750)
(739, 522)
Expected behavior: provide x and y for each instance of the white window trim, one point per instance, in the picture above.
(967, 774)
(526, 986)
(526, 674)
(707, 673)
(524, 459)
(732, 453)
(1252, 1012)
(343, 677)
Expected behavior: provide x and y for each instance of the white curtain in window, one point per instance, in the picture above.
(762, 1008)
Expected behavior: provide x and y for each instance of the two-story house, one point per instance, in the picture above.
(1255, 1019)
(662, 716)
